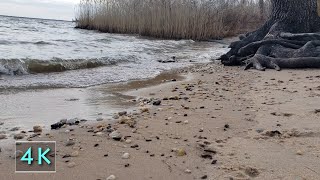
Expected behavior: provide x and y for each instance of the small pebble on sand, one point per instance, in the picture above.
(125, 156)
(111, 177)
(299, 152)
(71, 164)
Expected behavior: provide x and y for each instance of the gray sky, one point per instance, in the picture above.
(51, 9)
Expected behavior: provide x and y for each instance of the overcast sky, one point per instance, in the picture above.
(50, 9)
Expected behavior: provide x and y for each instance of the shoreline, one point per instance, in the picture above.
(223, 123)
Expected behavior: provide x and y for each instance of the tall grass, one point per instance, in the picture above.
(174, 19)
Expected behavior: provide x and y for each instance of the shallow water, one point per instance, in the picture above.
(37, 53)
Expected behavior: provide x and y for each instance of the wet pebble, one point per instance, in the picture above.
(14, 129)
(37, 129)
(99, 119)
(19, 136)
(156, 103)
(122, 113)
(3, 136)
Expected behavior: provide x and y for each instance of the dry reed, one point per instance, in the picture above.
(173, 19)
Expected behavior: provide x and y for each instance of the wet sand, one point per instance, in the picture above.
(220, 123)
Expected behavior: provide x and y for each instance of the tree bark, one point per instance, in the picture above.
(291, 34)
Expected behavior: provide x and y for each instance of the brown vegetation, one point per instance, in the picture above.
(174, 19)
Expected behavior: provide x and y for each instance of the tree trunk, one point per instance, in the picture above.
(288, 37)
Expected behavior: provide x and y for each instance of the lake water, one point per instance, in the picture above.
(38, 53)
(44, 63)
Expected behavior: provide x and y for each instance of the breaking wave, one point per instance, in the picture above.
(34, 66)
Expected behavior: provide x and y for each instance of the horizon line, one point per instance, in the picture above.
(35, 18)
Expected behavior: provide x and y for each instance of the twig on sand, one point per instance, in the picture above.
(169, 167)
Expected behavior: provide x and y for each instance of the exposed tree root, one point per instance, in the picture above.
(289, 39)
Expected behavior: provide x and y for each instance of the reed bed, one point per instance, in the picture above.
(172, 19)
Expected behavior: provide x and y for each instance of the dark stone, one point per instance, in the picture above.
(57, 125)
(156, 103)
(204, 177)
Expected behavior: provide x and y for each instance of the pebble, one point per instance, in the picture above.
(71, 164)
(111, 177)
(116, 116)
(181, 152)
(125, 156)
(187, 171)
(299, 152)
(3, 136)
(156, 103)
(19, 136)
(14, 129)
(144, 109)
(70, 143)
(116, 135)
(204, 177)
(74, 121)
(37, 129)
(1, 123)
(75, 154)
(128, 141)
(99, 119)
(186, 122)
(122, 113)
(259, 130)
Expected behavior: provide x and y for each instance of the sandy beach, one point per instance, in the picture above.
(215, 123)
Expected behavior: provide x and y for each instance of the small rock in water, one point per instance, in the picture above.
(116, 135)
(99, 119)
(14, 129)
(116, 116)
(156, 103)
(71, 164)
(37, 129)
(122, 113)
(125, 156)
(57, 125)
(3, 136)
(111, 177)
(74, 121)
(19, 136)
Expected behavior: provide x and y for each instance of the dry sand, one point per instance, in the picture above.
(222, 123)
